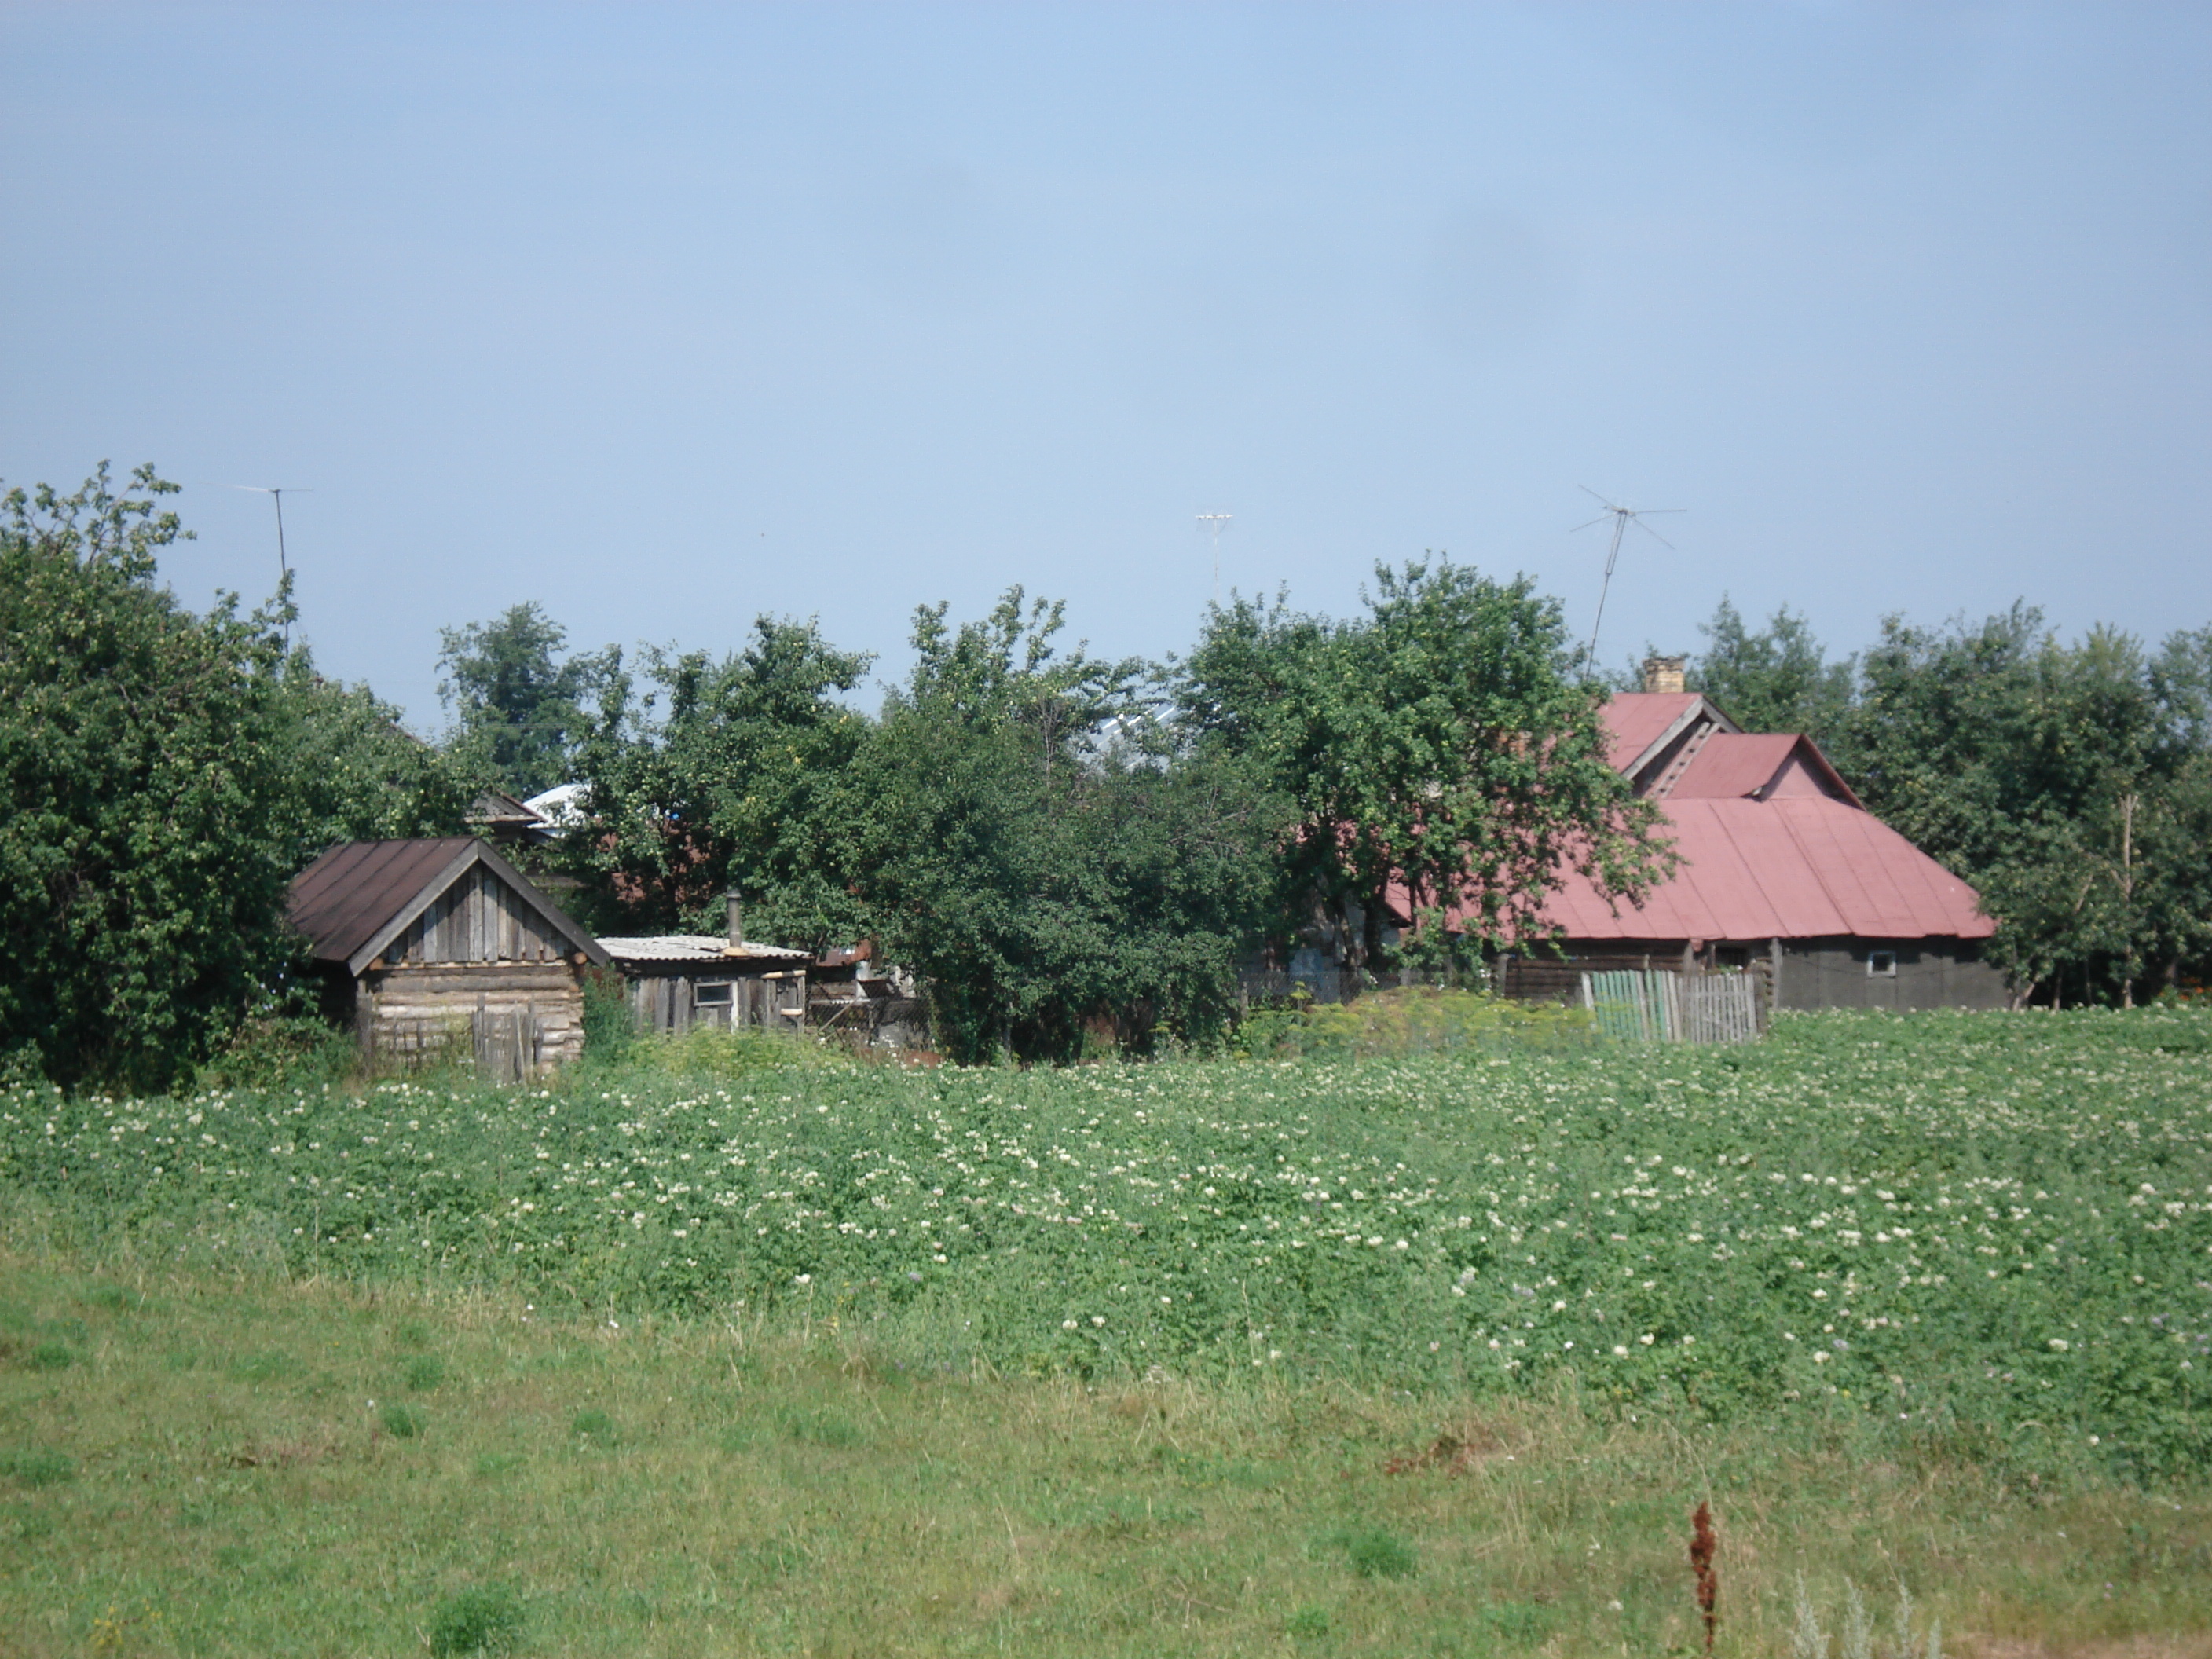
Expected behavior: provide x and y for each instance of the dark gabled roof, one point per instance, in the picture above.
(497, 806)
(355, 899)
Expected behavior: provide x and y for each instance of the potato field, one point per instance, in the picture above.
(1991, 1230)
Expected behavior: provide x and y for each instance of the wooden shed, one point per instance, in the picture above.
(681, 981)
(427, 944)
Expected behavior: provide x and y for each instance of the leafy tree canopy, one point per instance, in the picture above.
(1028, 847)
(726, 774)
(164, 775)
(519, 706)
(1443, 758)
(1778, 679)
(2068, 783)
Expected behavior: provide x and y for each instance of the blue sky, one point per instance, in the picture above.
(664, 316)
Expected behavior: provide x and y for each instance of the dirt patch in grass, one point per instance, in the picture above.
(1459, 1451)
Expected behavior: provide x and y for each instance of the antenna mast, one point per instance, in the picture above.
(276, 493)
(1216, 522)
(1621, 517)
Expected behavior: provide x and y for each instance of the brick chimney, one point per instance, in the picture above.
(734, 913)
(1664, 674)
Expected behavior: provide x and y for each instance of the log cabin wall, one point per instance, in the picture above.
(480, 968)
(436, 945)
(533, 1012)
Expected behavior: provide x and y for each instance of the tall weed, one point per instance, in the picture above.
(1413, 1020)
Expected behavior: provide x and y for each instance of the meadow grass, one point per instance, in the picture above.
(216, 1475)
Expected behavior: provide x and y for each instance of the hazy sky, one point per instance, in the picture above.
(664, 316)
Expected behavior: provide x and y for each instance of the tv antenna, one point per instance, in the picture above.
(1216, 522)
(276, 493)
(1621, 517)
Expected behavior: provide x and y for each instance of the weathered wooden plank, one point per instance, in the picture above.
(535, 973)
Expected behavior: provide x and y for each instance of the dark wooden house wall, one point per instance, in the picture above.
(1814, 973)
(670, 1001)
(1930, 973)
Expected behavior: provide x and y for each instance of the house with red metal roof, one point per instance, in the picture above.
(1782, 867)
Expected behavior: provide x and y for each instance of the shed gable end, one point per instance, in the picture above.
(479, 918)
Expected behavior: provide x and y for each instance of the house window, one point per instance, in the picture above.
(704, 996)
(1882, 965)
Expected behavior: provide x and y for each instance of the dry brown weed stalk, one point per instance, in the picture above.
(1703, 1542)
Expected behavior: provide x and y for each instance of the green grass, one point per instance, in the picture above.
(775, 1492)
(1430, 1353)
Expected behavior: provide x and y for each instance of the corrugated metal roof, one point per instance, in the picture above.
(341, 899)
(1733, 764)
(360, 889)
(1773, 844)
(692, 947)
(1792, 867)
(1730, 764)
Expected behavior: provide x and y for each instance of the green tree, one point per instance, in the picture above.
(2068, 783)
(1778, 679)
(520, 707)
(722, 775)
(164, 775)
(1444, 759)
(354, 773)
(1035, 848)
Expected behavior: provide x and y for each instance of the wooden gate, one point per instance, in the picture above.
(1638, 1007)
(508, 1043)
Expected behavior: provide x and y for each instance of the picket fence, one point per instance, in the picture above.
(1639, 1006)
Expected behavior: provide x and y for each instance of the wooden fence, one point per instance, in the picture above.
(1656, 1006)
(888, 1022)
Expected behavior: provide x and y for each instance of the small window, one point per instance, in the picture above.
(708, 996)
(1882, 965)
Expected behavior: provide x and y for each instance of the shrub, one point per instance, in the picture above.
(708, 1053)
(286, 1052)
(402, 1422)
(609, 1028)
(593, 1425)
(1375, 1552)
(480, 1620)
(424, 1372)
(1419, 1019)
(51, 1357)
